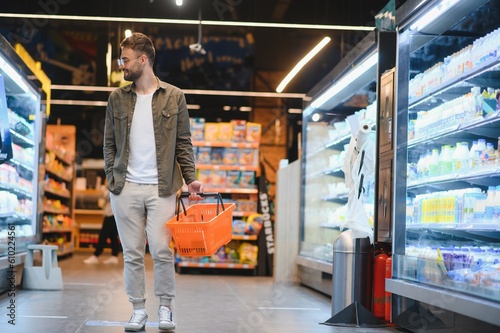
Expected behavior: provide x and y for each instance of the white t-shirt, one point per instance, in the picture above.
(142, 167)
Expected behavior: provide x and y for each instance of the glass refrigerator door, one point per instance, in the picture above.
(447, 180)
(20, 137)
(326, 132)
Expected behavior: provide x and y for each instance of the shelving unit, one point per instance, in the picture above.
(221, 171)
(58, 201)
(443, 240)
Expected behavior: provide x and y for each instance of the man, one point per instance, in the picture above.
(147, 154)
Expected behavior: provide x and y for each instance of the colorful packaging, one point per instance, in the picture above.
(246, 156)
(230, 156)
(219, 178)
(239, 130)
(204, 155)
(217, 155)
(253, 132)
(247, 179)
(205, 176)
(211, 132)
(232, 178)
(197, 129)
(225, 132)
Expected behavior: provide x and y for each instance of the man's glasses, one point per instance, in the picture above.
(122, 61)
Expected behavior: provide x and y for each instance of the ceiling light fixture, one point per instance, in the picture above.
(302, 63)
(178, 2)
(245, 108)
(433, 14)
(345, 80)
(226, 108)
(128, 33)
(295, 110)
(188, 22)
(17, 78)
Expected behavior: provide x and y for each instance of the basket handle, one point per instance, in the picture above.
(201, 194)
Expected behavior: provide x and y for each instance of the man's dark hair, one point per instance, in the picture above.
(140, 43)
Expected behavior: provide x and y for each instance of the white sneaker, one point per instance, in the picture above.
(165, 319)
(111, 261)
(137, 322)
(91, 260)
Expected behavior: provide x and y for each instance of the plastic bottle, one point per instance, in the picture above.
(473, 148)
(496, 205)
(481, 148)
(434, 164)
(445, 160)
(479, 209)
(461, 156)
(489, 205)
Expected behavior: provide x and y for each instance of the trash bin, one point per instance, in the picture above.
(352, 261)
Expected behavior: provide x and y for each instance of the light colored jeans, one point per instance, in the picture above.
(141, 213)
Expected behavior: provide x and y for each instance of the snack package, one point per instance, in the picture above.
(247, 179)
(219, 178)
(230, 156)
(217, 155)
(204, 155)
(253, 132)
(205, 176)
(197, 129)
(239, 130)
(211, 132)
(225, 132)
(246, 156)
(232, 178)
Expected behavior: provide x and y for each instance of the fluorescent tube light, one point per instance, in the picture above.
(18, 79)
(345, 81)
(189, 22)
(245, 108)
(193, 106)
(294, 110)
(433, 14)
(302, 63)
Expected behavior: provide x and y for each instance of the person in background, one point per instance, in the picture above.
(108, 231)
(148, 154)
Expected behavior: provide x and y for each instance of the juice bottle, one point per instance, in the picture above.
(473, 148)
(489, 205)
(445, 160)
(434, 164)
(496, 205)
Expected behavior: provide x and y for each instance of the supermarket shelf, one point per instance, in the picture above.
(90, 226)
(241, 214)
(89, 192)
(56, 229)
(60, 157)
(233, 190)
(215, 265)
(470, 306)
(226, 167)
(21, 139)
(21, 164)
(55, 174)
(226, 144)
(16, 190)
(89, 211)
(487, 66)
(55, 211)
(244, 237)
(65, 195)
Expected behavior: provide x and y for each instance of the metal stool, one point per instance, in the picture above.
(45, 277)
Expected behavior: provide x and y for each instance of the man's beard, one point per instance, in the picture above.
(131, 76)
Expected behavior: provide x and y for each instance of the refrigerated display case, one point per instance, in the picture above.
(21, 127)
(446, 249)
(345, 97)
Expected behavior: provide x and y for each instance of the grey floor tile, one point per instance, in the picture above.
(94, 301)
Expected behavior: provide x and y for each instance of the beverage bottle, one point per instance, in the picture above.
(496, 205)
(479, 209)
(434, 163)
(489, 204)
(462, 156)
(445, 160)
(488, 155)
(420, 167)
(481, 148)
(473, 148)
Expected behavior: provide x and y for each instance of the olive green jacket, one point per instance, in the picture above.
(174, 150)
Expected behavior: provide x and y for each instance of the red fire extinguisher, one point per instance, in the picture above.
(388, 275)
(378, 300)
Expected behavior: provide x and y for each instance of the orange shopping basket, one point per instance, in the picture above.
(202, 228)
